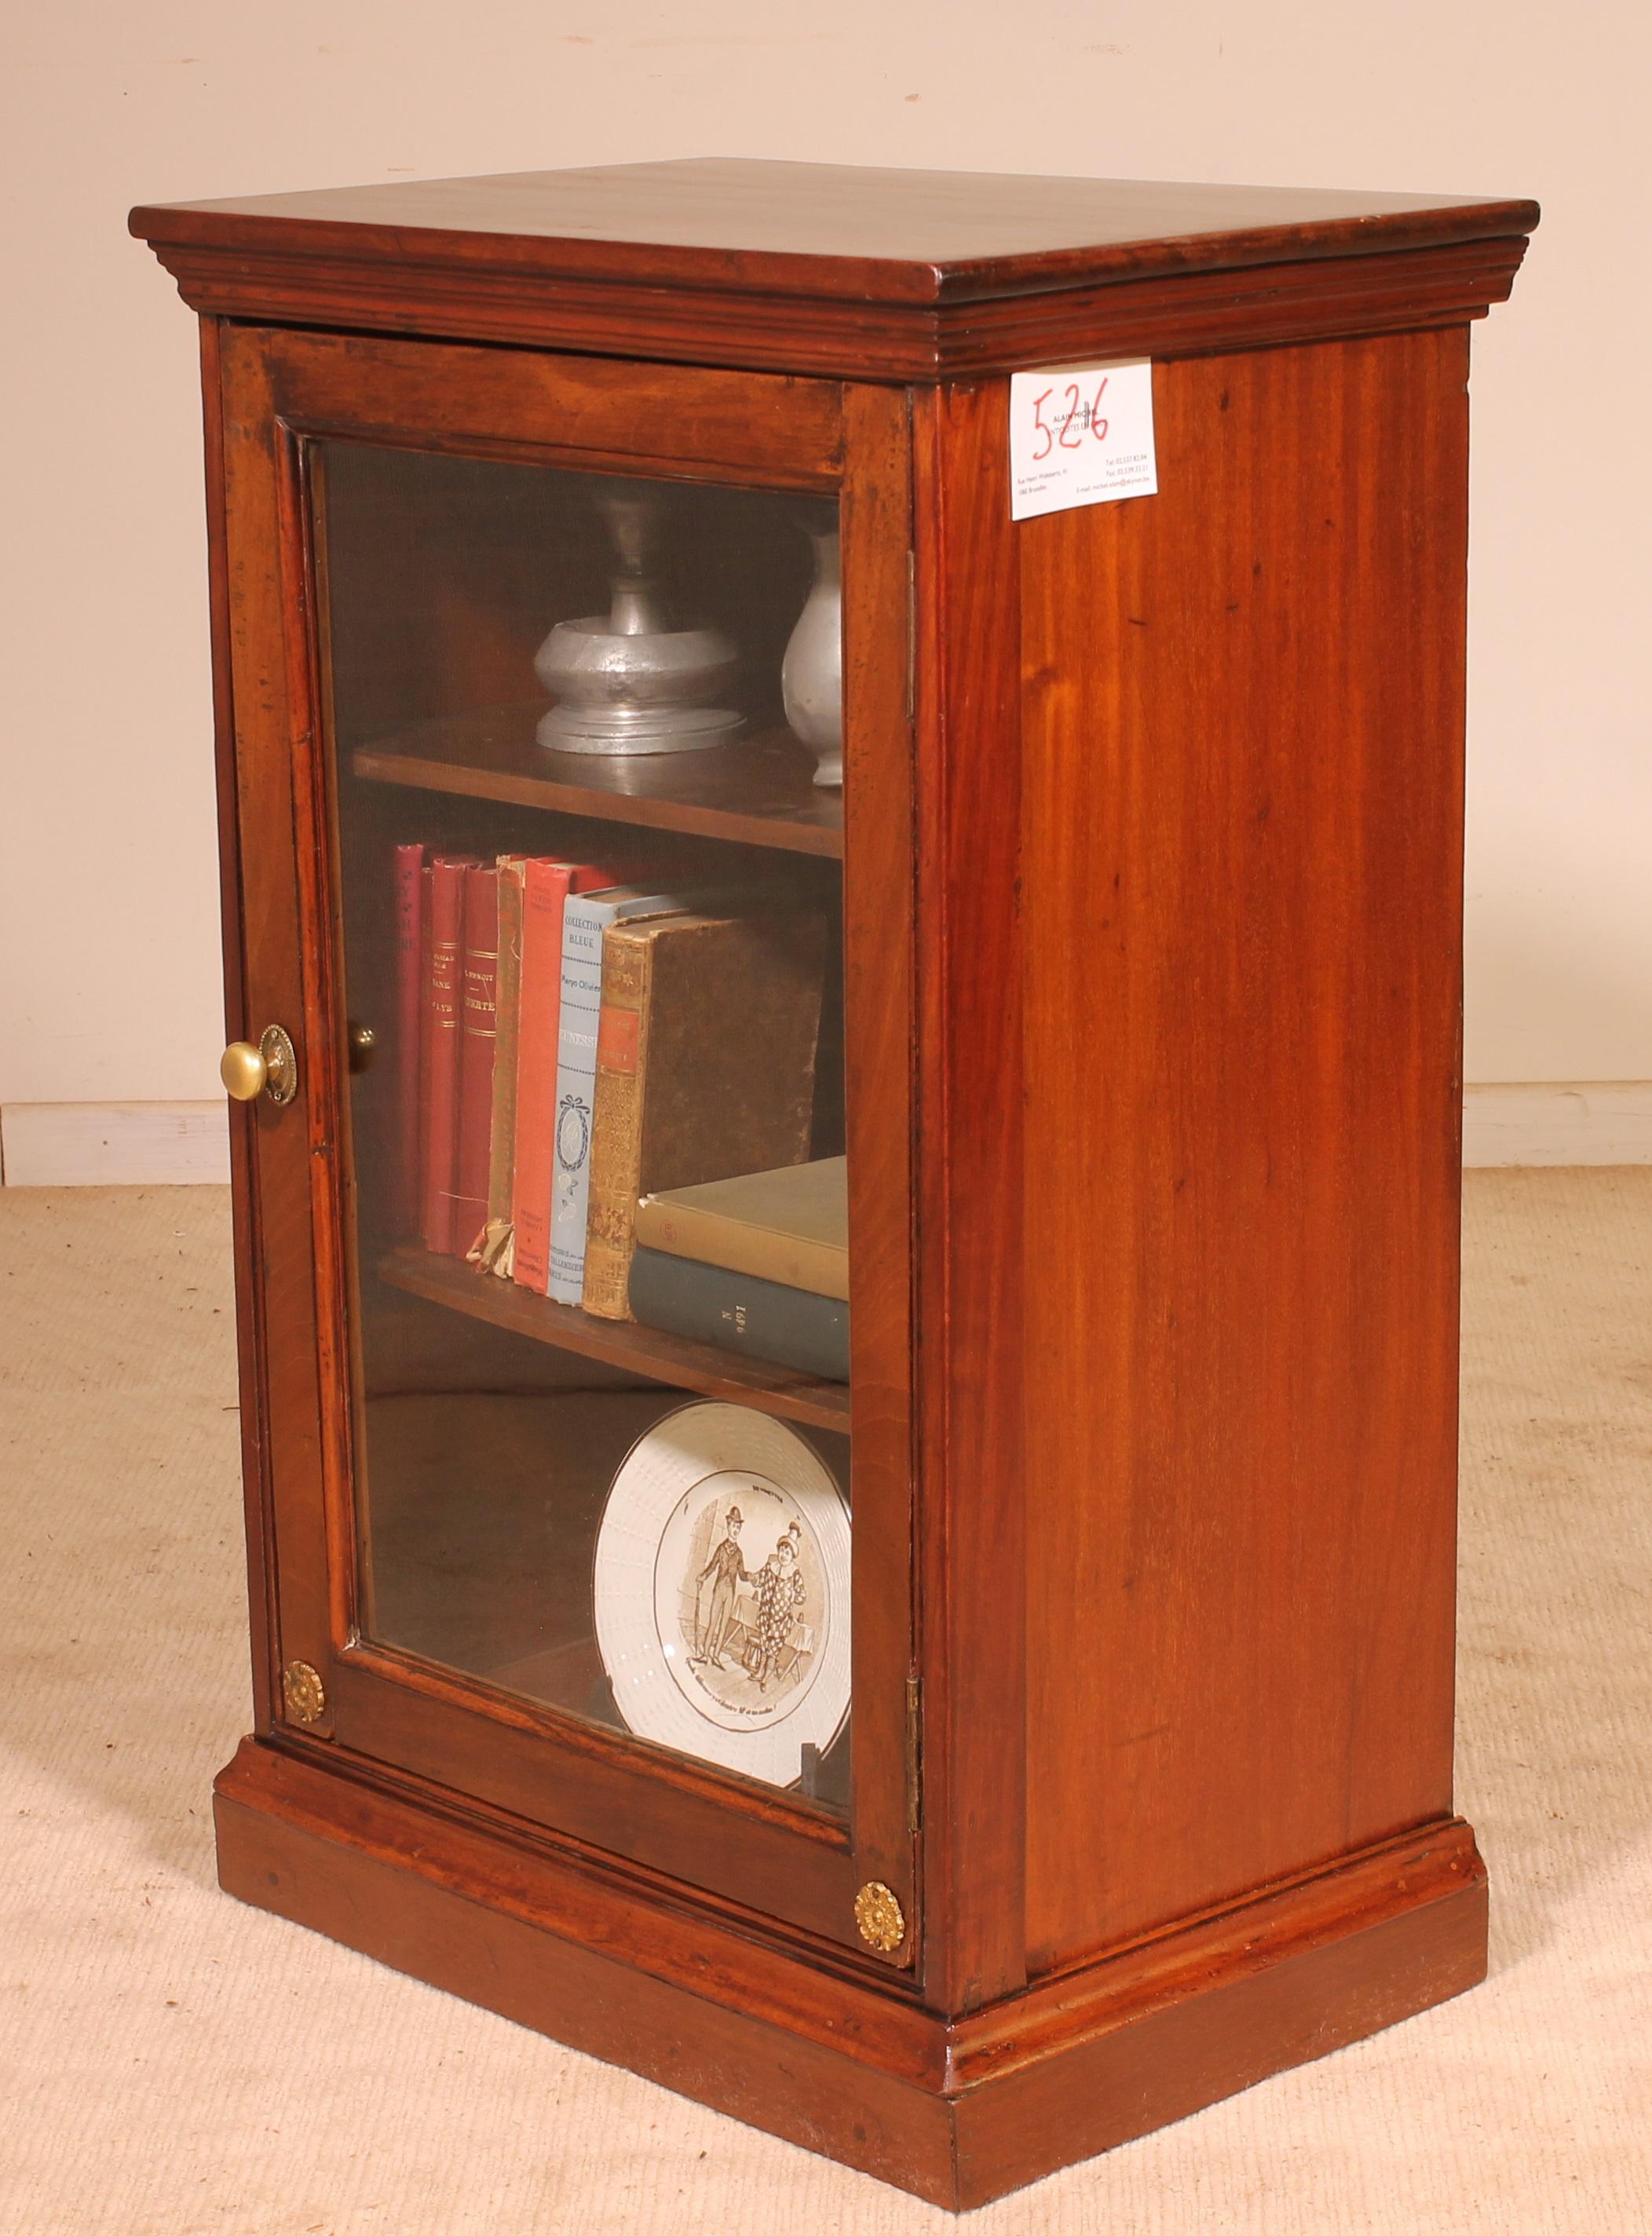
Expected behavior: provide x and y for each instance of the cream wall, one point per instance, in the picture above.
(109, 986)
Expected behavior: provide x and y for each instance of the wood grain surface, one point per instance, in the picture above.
(837, 229)
(958, 2112)
(580, 411)
(870, 275)
(1243, 836)
(880, 1048)
(241, 1021)
(259, 645)
(757, 791)
(671, 1359)
(969, 1273)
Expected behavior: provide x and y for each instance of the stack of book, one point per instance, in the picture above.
(759, 1263)
(570, 1043)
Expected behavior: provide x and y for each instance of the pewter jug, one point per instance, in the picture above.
(628, 681)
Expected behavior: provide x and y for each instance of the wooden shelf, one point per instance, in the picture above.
(660, 1358)
(758, 791)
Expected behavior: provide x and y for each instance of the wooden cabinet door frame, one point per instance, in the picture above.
(393, 1716)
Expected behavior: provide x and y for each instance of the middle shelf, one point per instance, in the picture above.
(759, 791)
(672, 1359)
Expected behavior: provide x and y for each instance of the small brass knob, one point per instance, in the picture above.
(270, 1069)
(243, 1070)
(363, 1043)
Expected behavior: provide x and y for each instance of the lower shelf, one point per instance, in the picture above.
(959, 2111)
(660, 1358)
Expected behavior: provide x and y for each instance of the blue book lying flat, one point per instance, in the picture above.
(736, 1312)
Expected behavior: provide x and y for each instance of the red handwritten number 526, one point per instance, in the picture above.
(1075, 412)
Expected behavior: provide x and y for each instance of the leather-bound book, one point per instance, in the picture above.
(479, 1041)
(427, 889)
(409, 863)
(496, 1240)
(546, 886)
(441, 1068)
(705, 1051)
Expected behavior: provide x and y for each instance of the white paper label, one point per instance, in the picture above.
(1080, 435)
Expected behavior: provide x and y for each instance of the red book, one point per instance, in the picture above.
(479, 1038)
(426, 885)
(441, 1113)
(547, 886)
(410, 1003)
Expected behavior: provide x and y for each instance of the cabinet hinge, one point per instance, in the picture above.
(912, 634)
(914, 1754)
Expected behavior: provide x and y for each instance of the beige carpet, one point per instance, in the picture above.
(173, 2063)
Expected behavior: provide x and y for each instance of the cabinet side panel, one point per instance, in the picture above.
(1242, 815)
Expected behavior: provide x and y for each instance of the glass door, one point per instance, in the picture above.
(601, 1190)
(616, 1182)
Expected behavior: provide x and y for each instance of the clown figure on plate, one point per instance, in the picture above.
(782, 1594)
(743, 1606)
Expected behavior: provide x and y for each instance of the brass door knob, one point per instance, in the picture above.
(270, 1069)
(243, 1070)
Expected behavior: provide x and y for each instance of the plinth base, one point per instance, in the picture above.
(958, 2112)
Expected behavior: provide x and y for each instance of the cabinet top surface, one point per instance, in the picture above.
(835, 230)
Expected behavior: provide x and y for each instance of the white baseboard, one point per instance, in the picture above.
(113, 1144)
(160, 1144)
(1581, 1123)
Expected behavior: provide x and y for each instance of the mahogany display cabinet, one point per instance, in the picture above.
(1067, 1742)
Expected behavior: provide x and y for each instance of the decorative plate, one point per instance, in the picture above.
(722, 1591)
